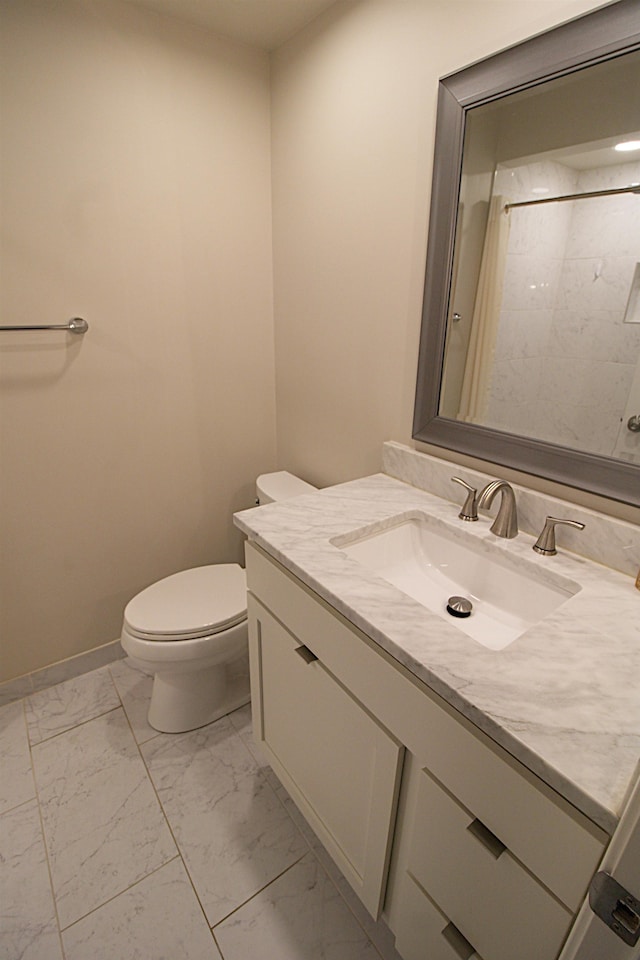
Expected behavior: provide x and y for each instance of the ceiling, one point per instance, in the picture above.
(261, 23)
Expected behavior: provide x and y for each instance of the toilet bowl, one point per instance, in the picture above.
(190, 631)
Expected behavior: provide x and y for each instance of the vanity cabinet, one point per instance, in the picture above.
(341, 766)
(467, 853)
(487, 897)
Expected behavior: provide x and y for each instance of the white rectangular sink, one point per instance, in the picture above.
(430, 562)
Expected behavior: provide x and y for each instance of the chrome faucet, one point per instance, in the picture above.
(506, 522)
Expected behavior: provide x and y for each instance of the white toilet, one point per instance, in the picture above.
(190, 631)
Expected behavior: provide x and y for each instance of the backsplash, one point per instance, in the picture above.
(607, 540)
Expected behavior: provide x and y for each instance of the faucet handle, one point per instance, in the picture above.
(469, 510)
(546, 542)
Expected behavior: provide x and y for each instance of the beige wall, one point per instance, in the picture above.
(354, 102)
(136, 193)
(135, 158)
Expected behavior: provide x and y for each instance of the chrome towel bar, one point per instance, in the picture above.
(75, 325)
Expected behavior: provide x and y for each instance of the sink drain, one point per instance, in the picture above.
(459, 607)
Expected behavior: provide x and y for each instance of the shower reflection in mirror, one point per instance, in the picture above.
(549, 342)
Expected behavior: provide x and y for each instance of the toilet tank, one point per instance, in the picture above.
(280, 486)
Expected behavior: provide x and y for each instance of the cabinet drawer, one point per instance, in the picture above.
(558, 845)
(340, 765)
(478, 883)
(424, 933)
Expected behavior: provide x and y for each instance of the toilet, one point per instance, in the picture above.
(190, 631)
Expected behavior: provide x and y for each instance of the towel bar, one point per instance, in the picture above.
(75, 325)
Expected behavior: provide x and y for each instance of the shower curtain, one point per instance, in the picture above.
(486, 314)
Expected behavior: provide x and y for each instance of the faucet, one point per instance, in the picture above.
(469, 511)
(506, 522)
(546, 542)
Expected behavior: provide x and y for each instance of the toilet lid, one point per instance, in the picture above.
(189, 604)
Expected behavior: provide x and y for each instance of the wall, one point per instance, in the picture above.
(136, 179)
(535, 255)
(354, 104)
(136, 193)
(565, 357)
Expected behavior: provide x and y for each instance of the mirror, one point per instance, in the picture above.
(530, 345)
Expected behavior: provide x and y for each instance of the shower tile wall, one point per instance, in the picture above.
(565, 358)
(118, 841)
(537, 241)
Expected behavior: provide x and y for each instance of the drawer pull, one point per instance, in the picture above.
(459, 943)
(307, 655)
(488, 840)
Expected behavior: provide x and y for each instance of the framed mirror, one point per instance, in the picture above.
(530, 345)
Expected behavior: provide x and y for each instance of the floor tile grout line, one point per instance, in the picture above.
(327, 874)
(236, 733)
(45, 845)
(261, 890)
(139, 743)
(120, 893)
(124, 890)
(309, 844)
(326, 871)
(177, 856)
(263, 774)
(22, 803)
(80, 723)
(310, 850)
(166, 818)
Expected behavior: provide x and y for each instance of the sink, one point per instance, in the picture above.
(432, 562)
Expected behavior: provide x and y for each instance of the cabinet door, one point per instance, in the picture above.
(340, 766)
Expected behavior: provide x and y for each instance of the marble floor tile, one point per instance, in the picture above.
(157, 919)
(103, 825)
(377, 931)
(28, 928)
(16, 782)
(233, 833)
(67, 704)
(300, 916)
(134, 688)
(243, 725)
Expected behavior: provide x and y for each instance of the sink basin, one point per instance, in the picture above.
(431, 562)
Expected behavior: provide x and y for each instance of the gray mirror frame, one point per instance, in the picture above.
(593, 38)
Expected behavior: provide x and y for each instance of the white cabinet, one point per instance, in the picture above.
(424, 932)
(340, 765)
(471, 855)
(484, 890)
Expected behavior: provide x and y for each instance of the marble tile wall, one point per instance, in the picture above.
(565, 358)
(118, 841)
(597, 352)
(537, 240)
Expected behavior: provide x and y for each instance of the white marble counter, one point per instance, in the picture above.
(564, 698)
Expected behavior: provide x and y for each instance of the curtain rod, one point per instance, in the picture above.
(574, 196)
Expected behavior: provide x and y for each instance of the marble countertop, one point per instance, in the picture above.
(563, 698)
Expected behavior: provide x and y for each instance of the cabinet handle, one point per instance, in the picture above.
(307, 655)
(488, 840)
(459, 943)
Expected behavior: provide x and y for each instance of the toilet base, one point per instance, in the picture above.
(186, 701)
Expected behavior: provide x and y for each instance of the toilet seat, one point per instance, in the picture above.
(195, 603)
